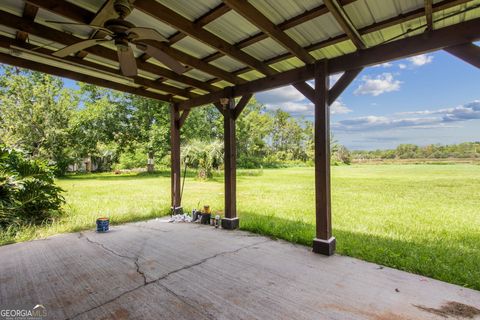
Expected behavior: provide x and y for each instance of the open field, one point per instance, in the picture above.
(419, 218)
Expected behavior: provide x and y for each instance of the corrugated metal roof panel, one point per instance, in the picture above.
(175, 84)
(141, 19)
(288, 64)
(334, 50)
(198, 91)
(228, 64)
(315, 30)
(221, 84)
(471, 12)
(279, 11)
(79, 31)
(194, 47)
(13, 6)
(90, 5)
(232, 27)
(396, 32)
(191, 9)
(366, 12)
(251, 75)
(197, 74)
(265, 49)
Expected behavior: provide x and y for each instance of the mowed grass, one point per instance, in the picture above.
(419, 218)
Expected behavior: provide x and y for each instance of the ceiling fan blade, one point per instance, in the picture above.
(79, 46)
(128, 65)
(139, 33)
(163, 58)
(81, 24)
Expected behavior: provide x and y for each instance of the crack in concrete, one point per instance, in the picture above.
(146, 282)
(188, 303)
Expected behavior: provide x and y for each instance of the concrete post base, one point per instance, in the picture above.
(326, 247)
(230, 224)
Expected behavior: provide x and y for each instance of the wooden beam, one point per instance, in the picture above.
(219, 107)
(230, 167)
(175, 156)
(306, 90)
(65, 9)
(23, 63)
(323, 243)
(345, 23)
(50, 34)
(468, 52)
(29, 13)
(241, 105)
(342, 83)
(196, 63)
(179, 22)
(183, 118)
(6, 43)
(414, 14)
(429, 14)
(203, 20)
(468, 31)
(249, 12)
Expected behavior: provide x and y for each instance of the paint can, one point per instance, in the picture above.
(103, 224)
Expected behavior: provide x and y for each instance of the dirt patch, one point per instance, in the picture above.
(453, 309)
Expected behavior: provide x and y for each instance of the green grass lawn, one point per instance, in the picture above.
(419, 218)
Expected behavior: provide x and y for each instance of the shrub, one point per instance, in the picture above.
(28, 194)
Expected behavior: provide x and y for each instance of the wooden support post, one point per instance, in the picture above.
(324, 242)
(175, 156)
(230, 220)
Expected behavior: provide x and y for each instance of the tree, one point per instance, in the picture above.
(35, 112)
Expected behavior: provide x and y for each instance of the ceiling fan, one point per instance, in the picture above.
(124, 34)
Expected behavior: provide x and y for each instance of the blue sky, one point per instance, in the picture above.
(433, 98)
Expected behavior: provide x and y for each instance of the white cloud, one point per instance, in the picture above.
(464, 112)
(383, 65)
(425, 119)
(420, 60)
(378, 85)
(338, 107)
(292, 101)
(402, 65)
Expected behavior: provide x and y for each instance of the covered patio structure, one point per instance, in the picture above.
(221, 53)
(212, 52)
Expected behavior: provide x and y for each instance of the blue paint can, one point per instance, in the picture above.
(103, 224)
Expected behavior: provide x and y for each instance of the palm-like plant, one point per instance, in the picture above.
(27, 190)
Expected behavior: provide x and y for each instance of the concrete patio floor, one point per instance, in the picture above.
(159, 270)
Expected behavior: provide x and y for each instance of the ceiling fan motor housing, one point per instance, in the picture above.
(122, 7)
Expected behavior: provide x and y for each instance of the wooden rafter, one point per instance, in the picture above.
(345, 23)
(50, 34)
(177, 54)
(205, 19)
(438, 39)
(249, 12)
(179, 22)
(414, 14)
(24, 63)
(429, 14)
(287, 24)
(29, 13)
(241, 105)
(342, 84)
(468, 52)
(6, 43)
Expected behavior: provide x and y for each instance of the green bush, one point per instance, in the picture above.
(28, 194)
